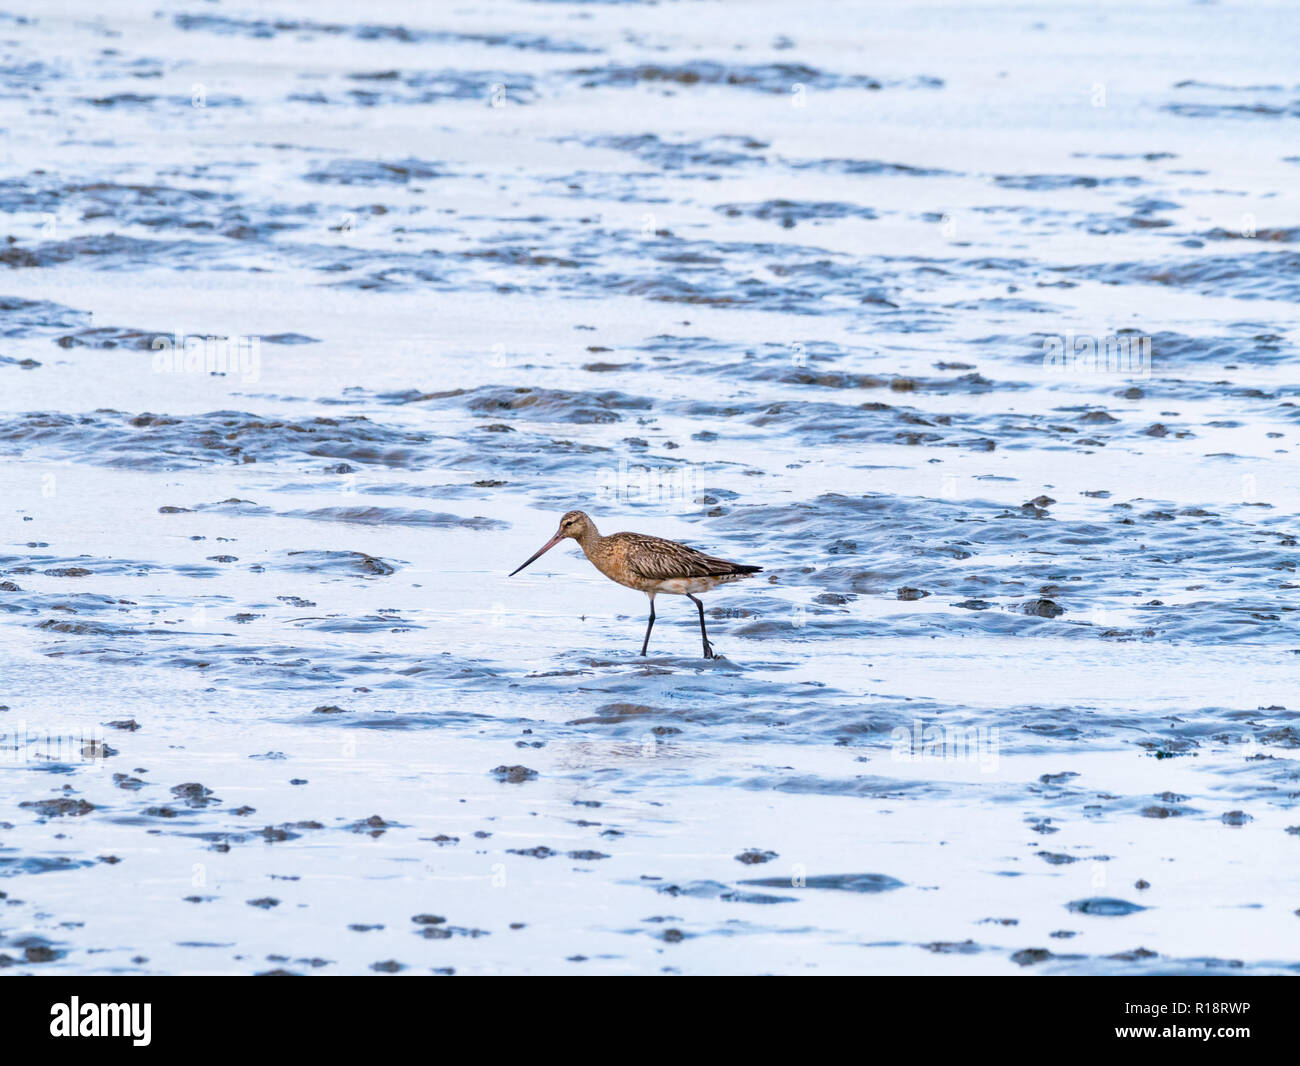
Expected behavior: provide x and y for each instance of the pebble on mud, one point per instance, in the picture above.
(55, 808)
(514, 775)
(754, 855)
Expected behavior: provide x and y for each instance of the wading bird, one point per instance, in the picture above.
(649, 564)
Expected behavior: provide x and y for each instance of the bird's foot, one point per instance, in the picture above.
(709, 653)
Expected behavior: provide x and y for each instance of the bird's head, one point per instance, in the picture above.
(574, 524)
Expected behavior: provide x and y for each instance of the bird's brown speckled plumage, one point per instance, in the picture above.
(651, 565)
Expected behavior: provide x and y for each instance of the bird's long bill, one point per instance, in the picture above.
(545, 548)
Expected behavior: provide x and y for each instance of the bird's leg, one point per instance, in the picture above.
(649, 626)
(708, 648)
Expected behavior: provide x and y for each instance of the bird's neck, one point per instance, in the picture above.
(590, 540)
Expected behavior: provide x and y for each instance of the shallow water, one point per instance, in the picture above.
(1011, 694)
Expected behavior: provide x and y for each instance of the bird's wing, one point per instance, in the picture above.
(660, 560)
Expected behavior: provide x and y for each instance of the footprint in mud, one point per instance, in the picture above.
(1105, 906)
(865, 883)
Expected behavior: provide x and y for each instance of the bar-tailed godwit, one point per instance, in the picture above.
(649, 564)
